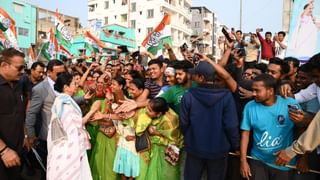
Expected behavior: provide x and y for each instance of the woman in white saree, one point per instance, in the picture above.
(67, 139)
(305, 35)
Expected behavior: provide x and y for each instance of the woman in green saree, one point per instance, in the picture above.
(164, 131)
(104, 149)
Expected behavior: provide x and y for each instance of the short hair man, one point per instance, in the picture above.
(294, 65)
(12, 113)
(278, 69)
(280, 45)
(174, 94)
(209, 124)
(157, 81)
(314, 89)
(28, 81)
(42, 98)
(252, 51)
(267, 118)
(266, 45)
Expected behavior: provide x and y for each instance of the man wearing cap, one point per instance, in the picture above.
(209, 124)
(184, 82)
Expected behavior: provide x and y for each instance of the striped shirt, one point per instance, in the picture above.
(153, 87)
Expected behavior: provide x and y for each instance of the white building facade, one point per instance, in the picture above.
(204, 30)
(143, 16)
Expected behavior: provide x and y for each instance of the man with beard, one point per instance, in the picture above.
(12, 113)
(310, 108)
(28, 81)
(267, 118)
(266, 46)
(174, 94)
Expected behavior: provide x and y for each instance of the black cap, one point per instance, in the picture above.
(204, 68)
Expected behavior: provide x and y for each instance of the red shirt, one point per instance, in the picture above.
(267, 48)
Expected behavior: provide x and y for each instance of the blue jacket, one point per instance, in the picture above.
(209, 122)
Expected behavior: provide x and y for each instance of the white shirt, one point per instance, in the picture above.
(307, 94)
(51, 83)
(278, 50)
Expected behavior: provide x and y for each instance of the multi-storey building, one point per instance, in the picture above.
(144, 15)
(203, 29)
(45, 21)
(24, 15)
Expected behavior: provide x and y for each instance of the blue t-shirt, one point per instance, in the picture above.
(271, 127)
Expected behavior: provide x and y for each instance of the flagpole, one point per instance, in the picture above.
(58, 54)
(37, 58)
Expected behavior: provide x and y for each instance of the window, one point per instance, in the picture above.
(124, 17)
(42, 35)
(124, 2)
(150, 13)
(106, 4)
(139, 30)
(115, 17)
(133, 24)
(18, 8)
(133, 7)
(23, 31)
(149, 30)
(197, 24)
(140, 12)
(114, 1)
(106, 20)
(92, 7)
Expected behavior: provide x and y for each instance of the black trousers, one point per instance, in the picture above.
(216, 168)
(261, 171)
(233, 170)
(9, 173)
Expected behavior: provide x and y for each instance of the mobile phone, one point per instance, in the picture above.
(260, 29)
(114, 57)
(242, 52)
(195, 58)
(226, 34)
(293, 108)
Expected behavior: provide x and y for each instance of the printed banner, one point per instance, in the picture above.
(304, 30)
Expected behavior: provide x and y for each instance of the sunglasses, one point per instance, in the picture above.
(19, 68)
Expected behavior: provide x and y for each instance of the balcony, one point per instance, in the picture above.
(206, 18)
(189, 2)
(183, 11)
(207, 42)
(207, 30)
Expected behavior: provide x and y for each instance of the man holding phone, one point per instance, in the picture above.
(266, 45)
(252, 49)
(267, 118)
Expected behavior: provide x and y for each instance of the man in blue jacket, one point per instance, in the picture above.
(208, 121)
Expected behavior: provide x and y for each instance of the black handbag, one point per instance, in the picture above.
(143, 142)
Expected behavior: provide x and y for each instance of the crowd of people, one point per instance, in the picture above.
(153, 118)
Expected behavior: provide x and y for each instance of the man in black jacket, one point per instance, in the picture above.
(12, 113)
(209, 123)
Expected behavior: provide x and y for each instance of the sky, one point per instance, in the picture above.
(265, 14)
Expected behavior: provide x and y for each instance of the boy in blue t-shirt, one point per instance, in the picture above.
(267, 117)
